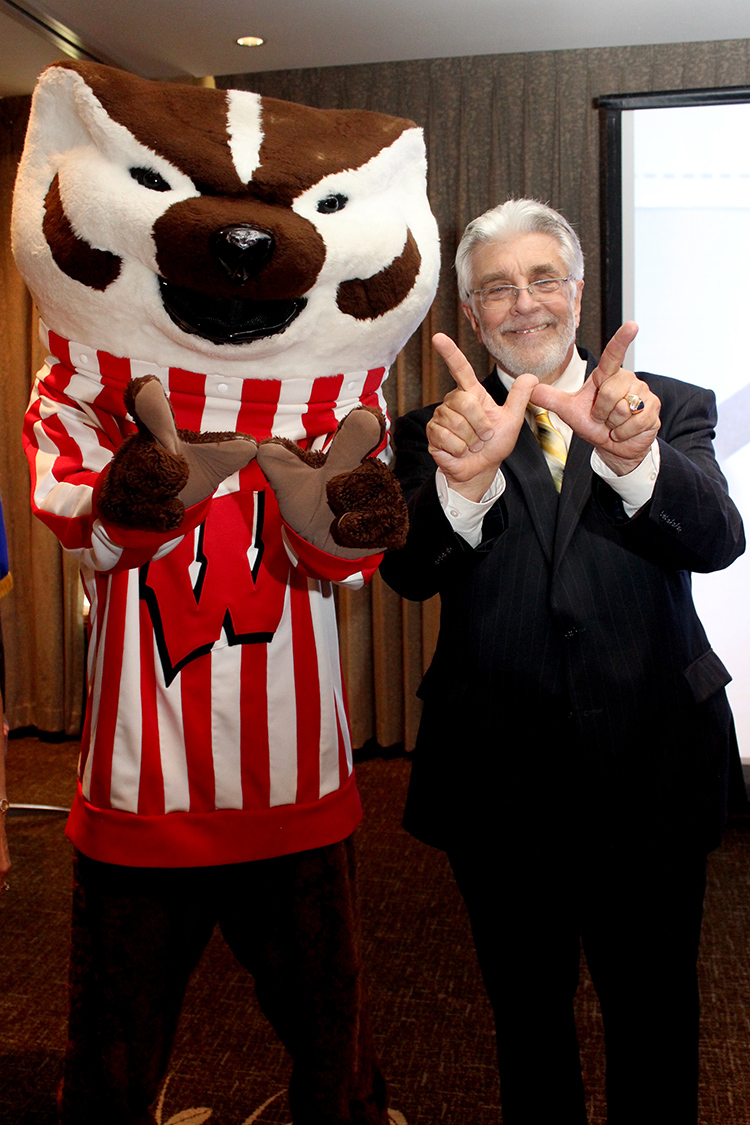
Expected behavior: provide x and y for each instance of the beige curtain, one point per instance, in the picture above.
(495, 126)
(42, 621)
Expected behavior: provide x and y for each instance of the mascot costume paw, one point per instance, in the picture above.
(223, 281)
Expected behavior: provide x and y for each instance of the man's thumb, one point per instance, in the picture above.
(519, 395)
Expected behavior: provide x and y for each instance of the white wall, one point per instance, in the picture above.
(688, 287)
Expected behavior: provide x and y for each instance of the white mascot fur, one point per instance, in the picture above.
(224, 281)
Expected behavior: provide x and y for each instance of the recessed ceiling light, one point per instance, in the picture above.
(250, 41)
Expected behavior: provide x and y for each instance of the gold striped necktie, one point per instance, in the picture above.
(552, 444)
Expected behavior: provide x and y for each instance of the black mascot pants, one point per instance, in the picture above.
(637, 912)
(138, 933)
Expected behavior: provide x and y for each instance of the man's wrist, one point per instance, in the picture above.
(636, 487)
(463, 514)
(475, 488)
(620, 466)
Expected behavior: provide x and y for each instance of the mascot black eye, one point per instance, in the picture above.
(332, 203)
(150, 179)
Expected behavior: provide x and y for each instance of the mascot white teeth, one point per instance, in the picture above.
(223, 280)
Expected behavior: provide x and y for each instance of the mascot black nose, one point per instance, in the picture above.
(242, 250)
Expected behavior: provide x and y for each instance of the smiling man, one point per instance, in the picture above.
(532, 328)
(576, 739)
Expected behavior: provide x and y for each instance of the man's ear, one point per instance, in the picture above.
(577, 301)
(472, 319)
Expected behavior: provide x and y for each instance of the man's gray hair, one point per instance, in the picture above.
(507, 221)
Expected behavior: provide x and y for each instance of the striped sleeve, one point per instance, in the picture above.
(314, 563)
(69, 442)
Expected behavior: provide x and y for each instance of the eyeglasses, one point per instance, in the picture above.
(541, 290)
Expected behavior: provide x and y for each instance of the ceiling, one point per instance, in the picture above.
(169, 38)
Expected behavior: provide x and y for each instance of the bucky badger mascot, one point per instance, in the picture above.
(223, 280)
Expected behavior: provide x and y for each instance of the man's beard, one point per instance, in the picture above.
(516, 360)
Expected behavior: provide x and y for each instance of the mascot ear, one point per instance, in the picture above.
(63, 111)
(57, 126)
(66, 117)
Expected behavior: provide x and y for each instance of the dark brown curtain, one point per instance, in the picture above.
(495, 125)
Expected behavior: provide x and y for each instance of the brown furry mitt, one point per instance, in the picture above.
(341, 502)
(159, 471)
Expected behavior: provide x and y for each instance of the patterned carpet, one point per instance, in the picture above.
(431, 1016)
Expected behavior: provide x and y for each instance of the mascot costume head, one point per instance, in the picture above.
(222, 232)
(223, 281)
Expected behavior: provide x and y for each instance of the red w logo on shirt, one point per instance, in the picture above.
(217, 584)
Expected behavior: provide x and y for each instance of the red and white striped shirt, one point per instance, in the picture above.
(216, 728)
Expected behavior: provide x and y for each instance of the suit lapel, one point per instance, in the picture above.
(577, 481)
(529, 469)
(576, 491)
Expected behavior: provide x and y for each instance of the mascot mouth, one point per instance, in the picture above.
(222, 320)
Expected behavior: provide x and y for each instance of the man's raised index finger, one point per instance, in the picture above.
(614, 353)
(456, 362)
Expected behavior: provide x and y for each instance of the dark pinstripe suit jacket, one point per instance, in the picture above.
(572, 679)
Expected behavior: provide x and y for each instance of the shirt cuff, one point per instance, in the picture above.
(466, 516)
(635, 488)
